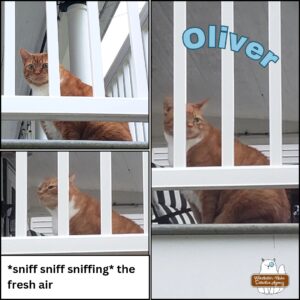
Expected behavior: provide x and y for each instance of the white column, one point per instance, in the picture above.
(106, 193)
(95, 45)
(52, 45)
(227, 86)
(179, 85)
(21, 194)
(63, 193)
(145, 190)
(9, 48)
(80, 63)
(275, 84)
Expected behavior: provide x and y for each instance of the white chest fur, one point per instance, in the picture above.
(42, 90)
(54, 213)
(189, 144)
(48, 126)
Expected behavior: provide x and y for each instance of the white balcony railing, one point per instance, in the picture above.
(227, 175)
(131, 107)
(63, 242)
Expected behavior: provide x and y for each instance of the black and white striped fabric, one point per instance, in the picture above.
(170, 207)
(33, 233)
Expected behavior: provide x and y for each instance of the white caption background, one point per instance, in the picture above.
(118, 284)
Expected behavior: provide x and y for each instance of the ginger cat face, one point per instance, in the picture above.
(48, 191)
(35, 67)
(195, 122)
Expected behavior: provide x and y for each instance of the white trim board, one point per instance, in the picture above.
(74, 108)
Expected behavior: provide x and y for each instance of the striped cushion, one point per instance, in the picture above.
(170, 207)
(33, 233)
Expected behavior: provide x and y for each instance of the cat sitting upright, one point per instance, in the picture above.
(84, 210)
(224, 206)
(36, 74)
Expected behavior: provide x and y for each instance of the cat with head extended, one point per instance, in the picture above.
(84, 210)
(224, 206)
(36, 74)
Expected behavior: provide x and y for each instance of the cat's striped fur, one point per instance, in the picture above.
(36, 74)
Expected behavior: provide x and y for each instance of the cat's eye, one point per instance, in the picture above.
(30, 66)
(197, 120)
(45, 66)
(50, 187)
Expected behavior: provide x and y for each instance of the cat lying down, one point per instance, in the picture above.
(36, 74)
(224, 206)
(84, 210)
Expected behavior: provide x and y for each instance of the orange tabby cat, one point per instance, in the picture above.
(36, 74)
(225, 206)
(84, 210)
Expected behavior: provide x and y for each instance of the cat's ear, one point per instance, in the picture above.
(168, 104)
(72, 178)
(201, 104)
(24, 54)
(273, 259)
(262, 259)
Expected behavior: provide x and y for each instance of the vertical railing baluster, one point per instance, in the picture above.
(95, 46)
(106, 192)
(227, 89)
(52, 42)
(63, 192)
(179, 85)
(21, 194)
(139, 132)
(121, 85)
(137, 60)
(128, 93)
(9, 49)
(145, 44)
(145, 190)
(275, 84)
